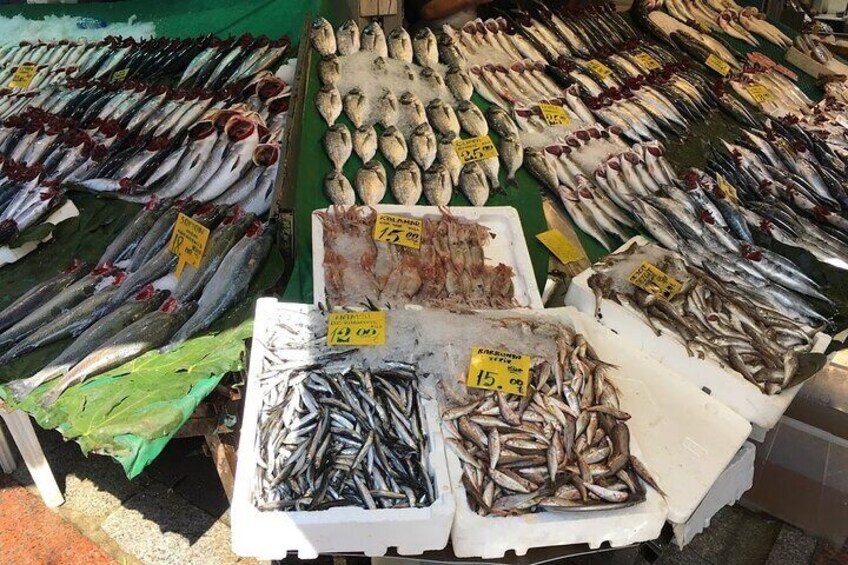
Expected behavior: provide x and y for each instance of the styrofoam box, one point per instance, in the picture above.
(684, 437)
(10, 255)
(730, 486)
(270, 535)
(723, 383)
(508, 246)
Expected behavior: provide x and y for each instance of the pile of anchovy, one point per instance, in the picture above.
(563, 446)
(349, 438)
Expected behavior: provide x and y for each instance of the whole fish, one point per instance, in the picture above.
(424, 47)
(160, 233)
(355, 105)
(400, 45)
(146, 334)
(446, 155)
(442, 117)
(229, 283)
(125, 242)
(339, 189)
(370, 183)
(511, 152)
(329, 103)
(393, 146)
(472, 119)
(422, 146)
(329, 70)
(347, 38)
(145, 302)
(338, 145)
(41, 293)
(459, 84)
(373, 39)
(438, 185)
(365, 142)
(406, 183)
(388, 109)
(474, 184)
(322, 36)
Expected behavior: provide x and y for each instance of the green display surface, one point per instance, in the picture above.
(313, 164)
(132, 412)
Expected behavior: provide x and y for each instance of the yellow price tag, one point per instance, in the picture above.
(554, 115)
(599, 68)
(728, 189)
(23, 76)
(647, 62)
(357, 328)
(759, 93)
(398, 230)
(652, 280)
(188, 241)
(718, 65)
(120, 75)
(500, 371)
(559, 245)
(475, 149)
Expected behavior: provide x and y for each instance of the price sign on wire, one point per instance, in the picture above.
(759, 93)
(647, 62)
(23, 76)
(728, 189)
(718, 65)
(188, 241)
(398, 230)
(599, 68)
(554, 115)
(118, 76)
(356, 328)
(475, 149)
(500, 371)
(652, 280)
(559, 245)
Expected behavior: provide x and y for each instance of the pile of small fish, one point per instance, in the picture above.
(418, 106)
(564, 445)
(449, 269)
(132, 141)
(715, 314)
(117, 313)
(339, 435)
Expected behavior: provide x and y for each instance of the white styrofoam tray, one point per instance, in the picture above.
(270, 535)
(508, 246)
(723, 383)
(684, 437)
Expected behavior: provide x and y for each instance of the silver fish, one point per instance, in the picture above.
(365, 142)
(511, 152)
(422, 146)
(393, 146)
(347, 38)
(442, 117)
(355, 106)
(322, 37)
(329, 70)
(438, 186)
(388, 109)
(446, 155)
(424, 46)
(329, 103)
(338, 189)
(374, 39)
(400, 45)
(338, 144)
(370, 182)
(474, 183)
(472, 119)
(406, 183)
(459, 84)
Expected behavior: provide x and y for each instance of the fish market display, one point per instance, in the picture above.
(405, 107)
(449, 268)
(98, 123)
(341, 436)
(564, 445)
(715, 315)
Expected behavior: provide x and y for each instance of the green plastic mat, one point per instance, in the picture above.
(131, 413)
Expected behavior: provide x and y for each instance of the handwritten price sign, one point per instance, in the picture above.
(652, 280)
(554, 115)
(599, 68)
(500, 371)
(118, 76)
(647, 62)
(559, 245)
(398, 230)
(188, 242)
(718, 65)
(475, 149)
(356, 328)
(23, 76)
(759, 93)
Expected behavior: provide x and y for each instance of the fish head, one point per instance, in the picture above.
(266, 154)
(118, 278)
(75, 266)
(238, 128)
